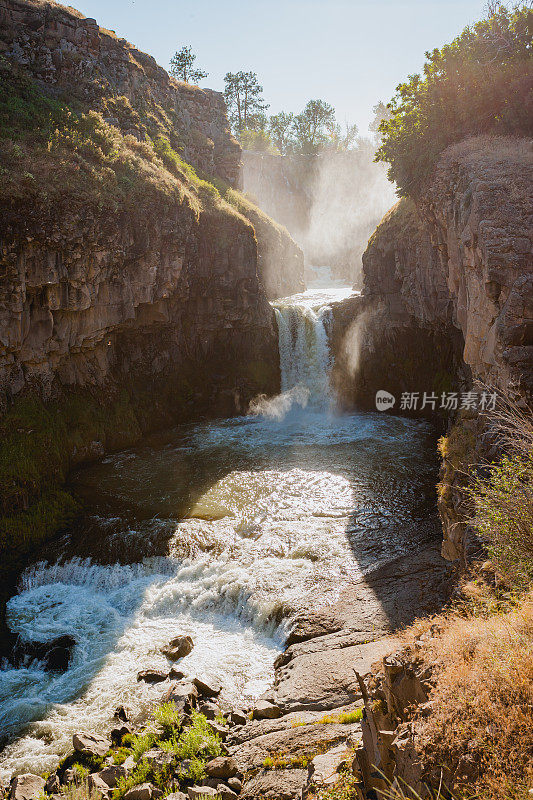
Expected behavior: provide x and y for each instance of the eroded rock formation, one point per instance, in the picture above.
(448, 291)
(104, 283)
(91, 300)
(460, 263)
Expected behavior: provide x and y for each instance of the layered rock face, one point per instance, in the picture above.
(479, 209)
(89, 301)
(399, 335)
(448, 293)
(70, 53)
(136, 276)
(470, 263)
(460, 262)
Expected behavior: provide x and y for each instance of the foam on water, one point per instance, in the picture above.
(259, 517)
(120, 617)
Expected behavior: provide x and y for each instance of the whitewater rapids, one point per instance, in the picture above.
(222, 531)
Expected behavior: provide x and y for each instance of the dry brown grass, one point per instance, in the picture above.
(481, 722)
(509, 149)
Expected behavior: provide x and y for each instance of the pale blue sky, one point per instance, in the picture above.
(351, 53)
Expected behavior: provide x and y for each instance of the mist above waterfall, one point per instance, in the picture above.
(350, 195)
(330, 203)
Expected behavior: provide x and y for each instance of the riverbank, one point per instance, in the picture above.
(356, 706)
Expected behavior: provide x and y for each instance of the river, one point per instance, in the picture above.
(222, 530)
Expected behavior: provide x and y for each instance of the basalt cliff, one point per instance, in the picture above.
(447, 298)
(134, 278)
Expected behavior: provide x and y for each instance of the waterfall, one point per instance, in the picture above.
(304, 352)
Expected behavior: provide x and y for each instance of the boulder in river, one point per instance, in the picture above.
(183, 695)
(55, 655)
(152, 675)
(207, 687)
(179, 647)
(122, 714)
(26, 787)
(176, 674)
(89, 744)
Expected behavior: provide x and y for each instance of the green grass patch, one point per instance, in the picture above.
(283, 761)
(168, 716)
(195, 744)
(345, 718)
(142, 743)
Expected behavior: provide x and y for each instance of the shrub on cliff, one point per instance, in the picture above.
(503, 503)
(480, 83)
(502, 496)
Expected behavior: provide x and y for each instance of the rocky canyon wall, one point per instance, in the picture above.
(70, 53)
(152, 295)
(107, 257)
(448, 295)
(458, 262)
(133, 276)
(464, 258)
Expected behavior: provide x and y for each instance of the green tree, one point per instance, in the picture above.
(480, 83)
(314, 127)
(342, 140)
(257, 140)
(182, 66)
(280, 128)
(244, 99)
(381, 112)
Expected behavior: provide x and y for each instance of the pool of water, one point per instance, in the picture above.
(221, 530)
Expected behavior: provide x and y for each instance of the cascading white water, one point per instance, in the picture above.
(304, 352)
(304, 322)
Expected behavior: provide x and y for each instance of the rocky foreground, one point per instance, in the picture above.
(314, 730)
